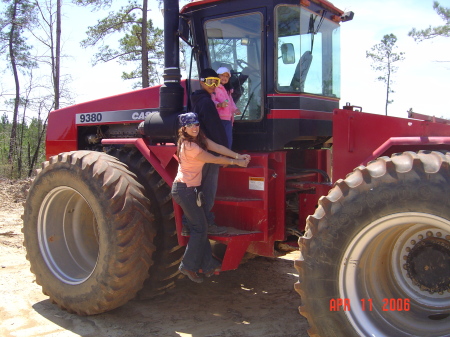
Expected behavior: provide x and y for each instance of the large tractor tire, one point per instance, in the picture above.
(88, 233)
(167, 257)
(375, 258)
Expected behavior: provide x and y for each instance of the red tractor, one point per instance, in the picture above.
(101, 227)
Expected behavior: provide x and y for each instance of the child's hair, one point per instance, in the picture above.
(227, 86)
(183, 136)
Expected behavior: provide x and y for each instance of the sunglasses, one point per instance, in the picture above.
(191, 125)
(211, 81)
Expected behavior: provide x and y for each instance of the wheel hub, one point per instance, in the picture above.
(428, 264)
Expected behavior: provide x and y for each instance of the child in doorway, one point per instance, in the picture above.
(224, 103)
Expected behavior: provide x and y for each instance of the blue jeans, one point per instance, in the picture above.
(210, 177)
(198, 254)
(228, 126)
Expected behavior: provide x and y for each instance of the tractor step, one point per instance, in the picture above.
(237, 234)
(237, 242)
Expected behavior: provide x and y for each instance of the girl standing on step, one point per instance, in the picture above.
(192, 151)
(225, 105)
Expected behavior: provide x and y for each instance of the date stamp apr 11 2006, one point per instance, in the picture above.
(366, 304)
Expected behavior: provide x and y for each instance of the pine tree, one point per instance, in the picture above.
(383, 57)
(432, 32)
(142, 44)
(18, 16)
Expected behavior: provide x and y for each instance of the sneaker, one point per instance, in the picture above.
(193, 276)
(212, 272)
(214, 229)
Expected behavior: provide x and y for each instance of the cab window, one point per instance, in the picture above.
(307, 46)
(235, 42)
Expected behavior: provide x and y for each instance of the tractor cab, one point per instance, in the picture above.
(284, 63)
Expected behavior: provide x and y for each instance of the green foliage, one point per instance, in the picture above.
(5, 130)
(129, 49)
(432, 32)
(383, 57)
(129, 52)
(97, 4)
(18, 16)
(113, 23)
(26, 146)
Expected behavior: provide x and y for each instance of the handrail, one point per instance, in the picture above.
(428, 118)
(405, 141)
(146, 152)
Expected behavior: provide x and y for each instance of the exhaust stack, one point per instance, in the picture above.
(171, 92)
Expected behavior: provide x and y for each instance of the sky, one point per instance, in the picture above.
(421, 82)
(422, 79)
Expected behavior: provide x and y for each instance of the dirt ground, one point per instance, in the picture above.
(258, 299)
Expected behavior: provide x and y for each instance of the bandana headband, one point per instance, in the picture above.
(188, 118)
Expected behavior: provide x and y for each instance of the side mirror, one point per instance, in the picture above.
(288, 53)
(184, 30)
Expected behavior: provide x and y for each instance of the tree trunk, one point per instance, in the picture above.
(20, 146)
(388, 82)
(57, 54)
(145, 77)
(387, 98)
(38, 146)
(12, 142)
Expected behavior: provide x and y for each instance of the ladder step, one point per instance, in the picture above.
(238, 235)
(241, 202)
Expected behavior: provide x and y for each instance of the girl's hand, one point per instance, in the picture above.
(242, 162)
(237, 112)
(244, 156)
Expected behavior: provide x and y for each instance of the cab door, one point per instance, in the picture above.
(236, 42)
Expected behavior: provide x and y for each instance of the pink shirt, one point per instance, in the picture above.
(190, 168)
(221, 95)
